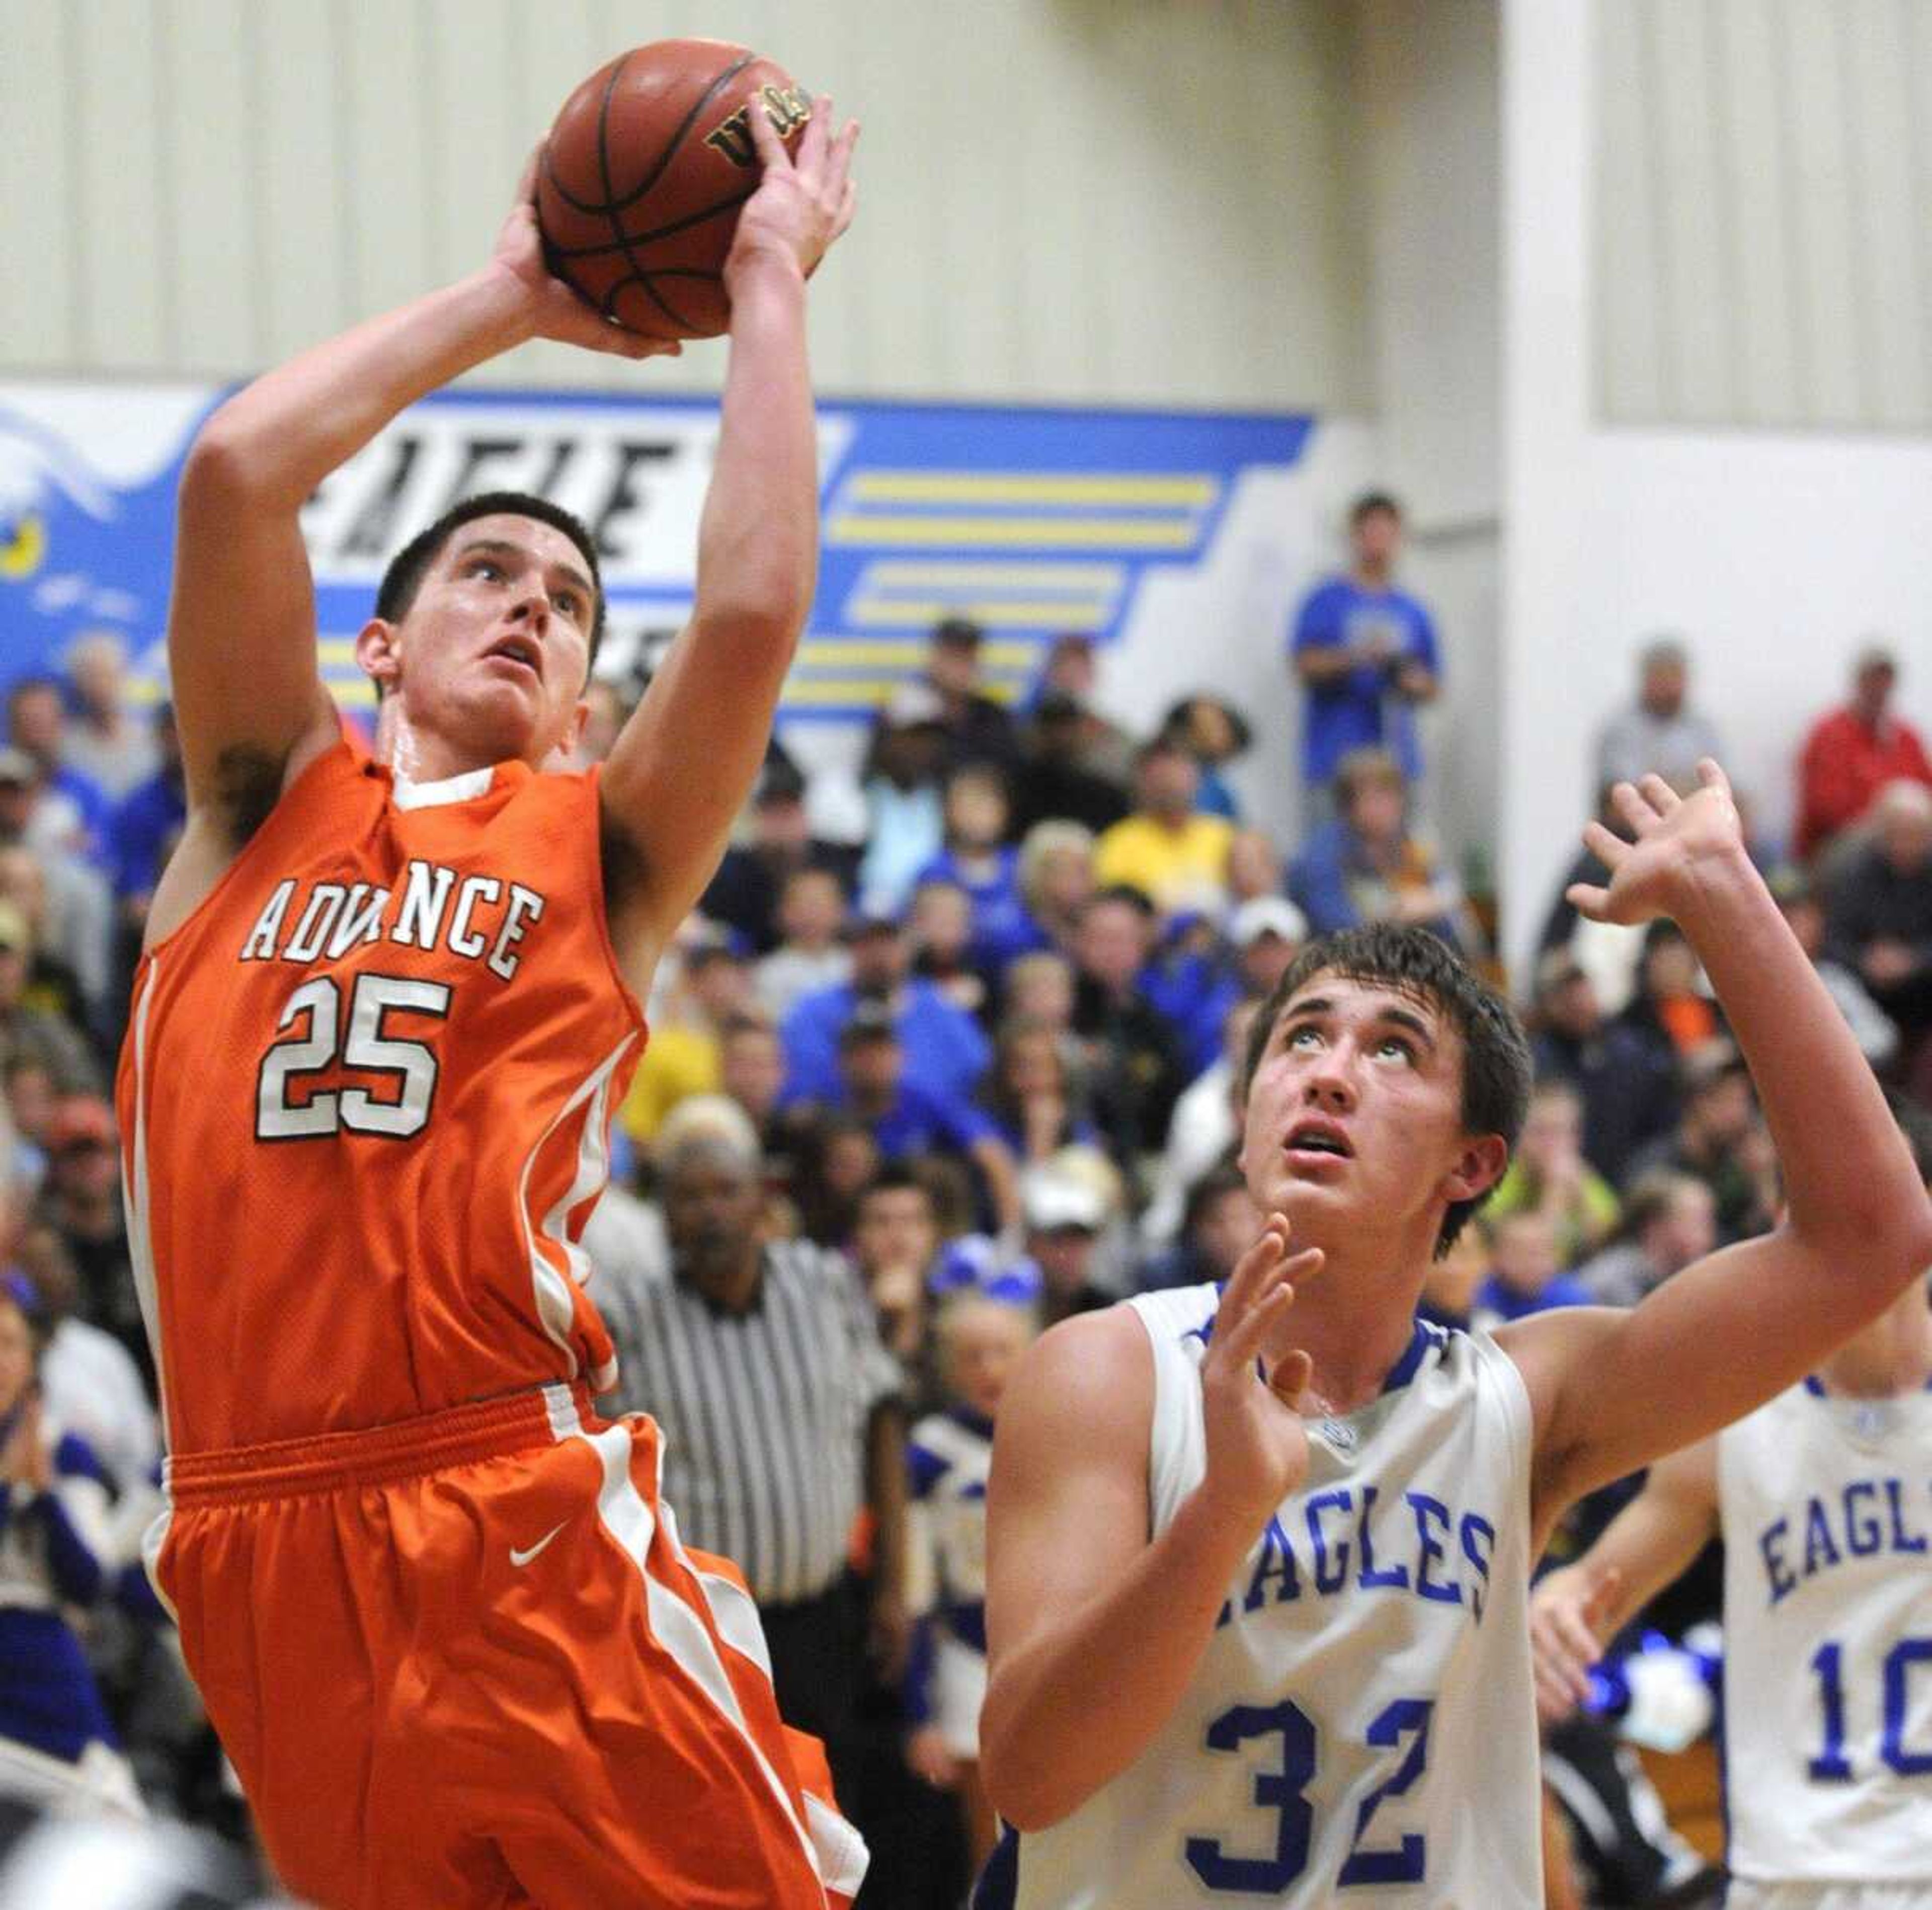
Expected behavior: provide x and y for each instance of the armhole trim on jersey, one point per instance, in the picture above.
(600, 906)
(274, 826)
(1517, 1410)
(1162, 1385)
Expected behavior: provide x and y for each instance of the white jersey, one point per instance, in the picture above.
(1826, 1505)
(1361, 1728)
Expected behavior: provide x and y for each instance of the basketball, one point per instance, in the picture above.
(642, 175)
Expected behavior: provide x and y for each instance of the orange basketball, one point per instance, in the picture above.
(642, 176)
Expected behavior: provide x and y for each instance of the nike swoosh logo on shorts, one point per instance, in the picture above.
(524, 1557)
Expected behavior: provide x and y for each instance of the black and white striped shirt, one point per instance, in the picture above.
(764, 1414)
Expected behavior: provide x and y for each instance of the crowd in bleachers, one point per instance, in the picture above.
(965, 1036)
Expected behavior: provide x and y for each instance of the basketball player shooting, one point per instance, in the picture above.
(1260, 1560)
(446, 1631)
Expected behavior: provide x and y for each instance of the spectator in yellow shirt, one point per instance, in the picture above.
(1173, 854)
(683, 1056)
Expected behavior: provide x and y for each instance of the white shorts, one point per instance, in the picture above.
(958, 1692)
(1744, 1894)
(101, 1780)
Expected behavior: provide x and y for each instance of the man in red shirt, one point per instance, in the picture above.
(1853, 752)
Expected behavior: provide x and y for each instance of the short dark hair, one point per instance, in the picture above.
(1496, 1067)
(896, 1177)
(410, 565)
(1368, 503)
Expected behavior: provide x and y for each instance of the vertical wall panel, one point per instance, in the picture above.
(1892, 293)
(127, 299)
(40, 290)
(220, 311)
(1765, 307)
(305, 253)
(385, 148)
(1630, 289)
(1763, 191)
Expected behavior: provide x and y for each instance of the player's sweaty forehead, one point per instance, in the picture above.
(509, 536)
(1371, 998)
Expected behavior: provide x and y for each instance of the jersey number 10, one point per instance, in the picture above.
(370, 1048)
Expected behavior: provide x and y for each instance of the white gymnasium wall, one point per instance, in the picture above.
(1764, 235)
(1430, 107)
(1773, 552)
(1142, 200)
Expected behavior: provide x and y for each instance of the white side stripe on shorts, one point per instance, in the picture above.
(673, 1624)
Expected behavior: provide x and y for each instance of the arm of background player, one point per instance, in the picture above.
(241, 637)
(682, 764)
(1649, 1544)
(886, 1495)
(1612, 1391)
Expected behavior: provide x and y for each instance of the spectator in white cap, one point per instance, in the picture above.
(1064, 1217)
(1267, 934)
(905, 813)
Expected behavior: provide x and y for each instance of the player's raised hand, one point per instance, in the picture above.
(1257, 1446)
(553, 310)
(1679, 840)
(1566, 1611)
(802, 205)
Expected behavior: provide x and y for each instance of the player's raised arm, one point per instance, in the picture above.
(1612, 1391)
(1649, 1544)
(241, 638)
(1092, 1631)
(682, 764)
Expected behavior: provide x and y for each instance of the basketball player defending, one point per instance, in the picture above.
(1259, 1562)
(1823, 1499)
(447, 1632)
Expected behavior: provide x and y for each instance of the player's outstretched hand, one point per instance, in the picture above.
(554, 310)
(1565, 1612)
(802, 205)
(1257, 1447)
(1678, 840)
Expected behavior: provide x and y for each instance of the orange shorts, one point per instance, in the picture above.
(464, 1661)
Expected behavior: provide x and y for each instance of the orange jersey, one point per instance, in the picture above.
(364, 1102)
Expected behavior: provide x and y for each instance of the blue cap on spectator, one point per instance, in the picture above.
(974, 1260)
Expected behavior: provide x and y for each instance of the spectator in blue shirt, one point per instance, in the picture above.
(978, 858)
(909, 1121)
(945, 1051)
(142, 827)
(37, 723)
(1525, 1274)
(1366, 654)
(1366, 864)
(1213, 733)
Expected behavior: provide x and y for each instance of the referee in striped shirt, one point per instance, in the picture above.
(782, 1414)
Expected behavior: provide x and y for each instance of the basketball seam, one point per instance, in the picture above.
(656, 232)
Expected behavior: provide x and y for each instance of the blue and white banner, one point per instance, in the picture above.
(1031, 522)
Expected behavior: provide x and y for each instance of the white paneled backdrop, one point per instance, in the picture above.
(1764, 212)
(1138, 200)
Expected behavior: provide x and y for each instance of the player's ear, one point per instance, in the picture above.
(573, 734)
(378, 652)
(1478, 1168)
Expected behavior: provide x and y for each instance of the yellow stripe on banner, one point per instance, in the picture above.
(1127, 533)
(865, 692)
(907, 652)
(899, 573)
(337, 649)
(1051, 612)
(1030, 488)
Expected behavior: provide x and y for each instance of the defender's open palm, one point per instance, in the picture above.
(1677, 839)
(801, 205)
(1257, 1446)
